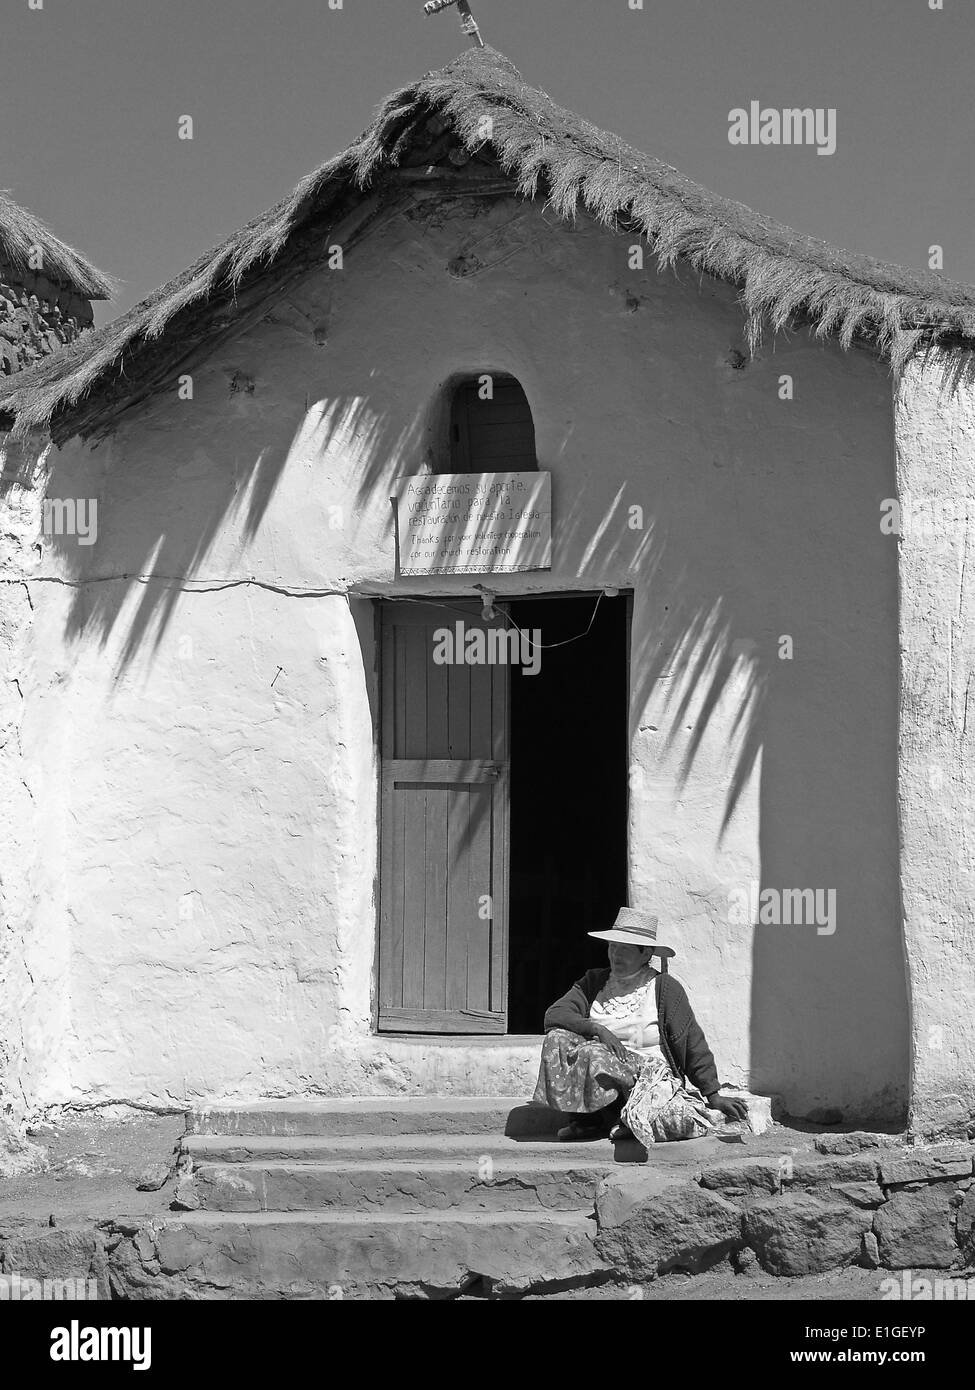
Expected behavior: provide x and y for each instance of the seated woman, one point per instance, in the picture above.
(622, 1045)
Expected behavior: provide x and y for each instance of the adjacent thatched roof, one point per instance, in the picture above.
(545, 150)
(21, 233)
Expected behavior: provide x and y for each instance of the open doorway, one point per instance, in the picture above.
(568, 807)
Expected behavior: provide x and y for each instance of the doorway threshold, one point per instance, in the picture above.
(446, 1064)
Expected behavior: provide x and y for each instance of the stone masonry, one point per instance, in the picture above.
(416, 1198)
(37, 318)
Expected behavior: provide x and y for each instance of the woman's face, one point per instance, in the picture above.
(625, 959)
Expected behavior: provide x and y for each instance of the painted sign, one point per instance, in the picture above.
(474, 523)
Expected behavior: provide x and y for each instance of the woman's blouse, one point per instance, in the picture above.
(682, 1039)
(628, 1008)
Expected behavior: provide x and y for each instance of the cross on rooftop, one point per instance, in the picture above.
(464, 13)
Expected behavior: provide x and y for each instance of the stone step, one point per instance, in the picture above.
(327, 1254)
(393, 1148)
(377, 1116)
(443, 1186)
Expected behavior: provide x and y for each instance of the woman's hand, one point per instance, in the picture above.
(732, 1106)
(609, 1039)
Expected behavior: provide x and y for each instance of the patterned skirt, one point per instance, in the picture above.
(581, 1076)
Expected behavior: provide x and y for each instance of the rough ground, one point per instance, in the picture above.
(723, 1285)
(93, 1166)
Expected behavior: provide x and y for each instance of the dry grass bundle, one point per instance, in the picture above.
(21, 233)
(546, 151)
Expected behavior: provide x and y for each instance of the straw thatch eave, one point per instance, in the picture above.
(22, 234)
(545, 151)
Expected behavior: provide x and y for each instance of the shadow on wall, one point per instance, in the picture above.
(718, 590)
(955, 368)
(211, 491)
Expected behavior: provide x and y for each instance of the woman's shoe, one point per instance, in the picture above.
(620, 1131)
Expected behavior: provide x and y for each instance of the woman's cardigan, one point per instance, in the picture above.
(682, 1040)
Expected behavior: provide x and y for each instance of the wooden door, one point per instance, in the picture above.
(494, 435)
(443, 844)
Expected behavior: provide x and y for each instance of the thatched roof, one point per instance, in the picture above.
(545, 150)
(21, 233)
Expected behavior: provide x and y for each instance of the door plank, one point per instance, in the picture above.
(392, 854)
(482, 736)
(480, 930)
(461, 898)
(444, 1021)
(499, 842)
(391, 842)
(458, 711)
(436, 744)
(435, 925)
(449, 771)
(411, 805)
(413, 695)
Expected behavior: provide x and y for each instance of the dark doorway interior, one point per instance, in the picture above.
(568, 799)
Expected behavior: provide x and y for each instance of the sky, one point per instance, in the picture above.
(92, 92)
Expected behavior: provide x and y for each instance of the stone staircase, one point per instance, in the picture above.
(418, 1197)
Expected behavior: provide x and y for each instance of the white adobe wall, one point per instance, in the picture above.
(936, 484)
(209, 821)
(34, 936)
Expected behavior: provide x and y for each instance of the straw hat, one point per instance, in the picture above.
(636, 929)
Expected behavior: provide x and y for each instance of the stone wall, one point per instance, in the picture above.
(883, 1207)
(37, 318)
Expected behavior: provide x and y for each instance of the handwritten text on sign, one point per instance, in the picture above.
(474, 523)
